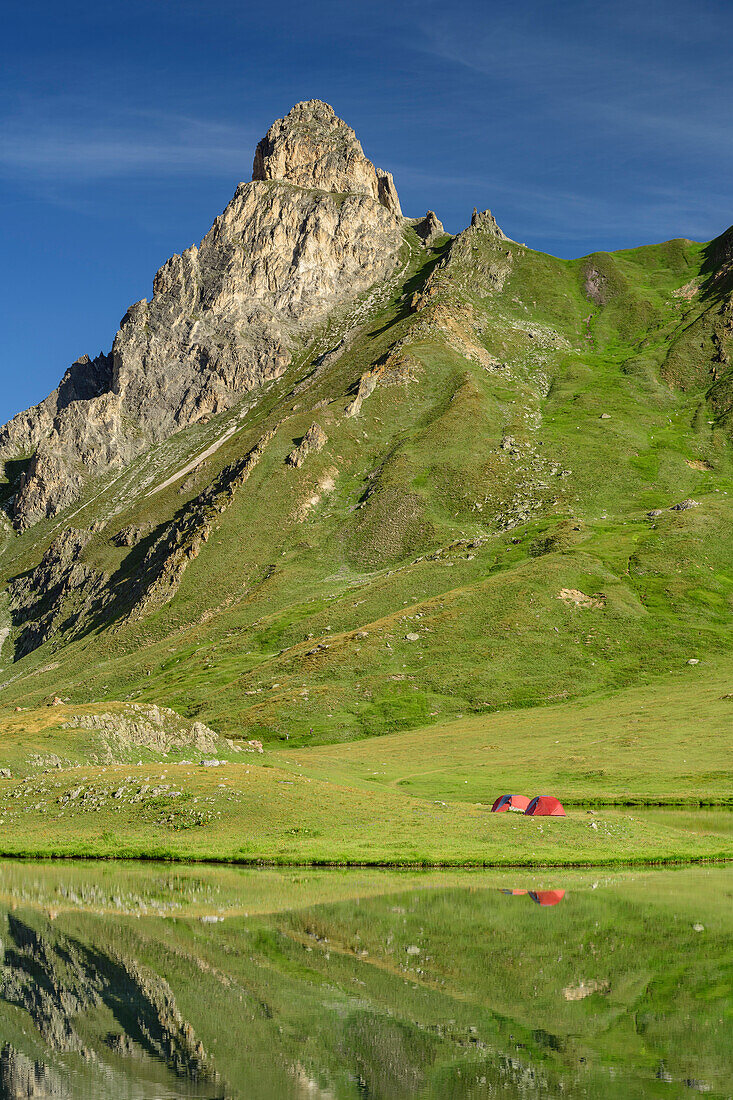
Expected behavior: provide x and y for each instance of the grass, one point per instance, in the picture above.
(420, 469)
(639, 746)
(417, 798)
(268, 815)
(389, 619)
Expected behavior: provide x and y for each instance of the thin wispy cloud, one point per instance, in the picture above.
(539, 215)
(615, 67)
(596, 124)
(44, 141)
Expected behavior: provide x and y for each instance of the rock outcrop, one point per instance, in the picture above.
(430, 228)
(161, 570)
(56, 979)
(313, 147)
(144, 726)
(60, 591)
(486, 220)
(316, 227)
(314, 440)
(65, 594)
(130, 535)
(24, 1079)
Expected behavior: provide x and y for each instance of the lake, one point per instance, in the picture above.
(163, 981)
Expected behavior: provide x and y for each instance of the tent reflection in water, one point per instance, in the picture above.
(547, 897)
(539, 897)
(510, 802)
(544, 805)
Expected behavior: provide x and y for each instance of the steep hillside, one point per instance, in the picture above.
(357, 476)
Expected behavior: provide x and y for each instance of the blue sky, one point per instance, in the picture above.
(125, 127)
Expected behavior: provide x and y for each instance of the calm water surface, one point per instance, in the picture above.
(154, 981)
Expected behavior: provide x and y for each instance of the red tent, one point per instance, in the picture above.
(547, 897)
(509, 802)
(545, 806)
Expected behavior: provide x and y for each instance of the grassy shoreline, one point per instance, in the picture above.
(192, 859)
(654, 794)
(264, 815)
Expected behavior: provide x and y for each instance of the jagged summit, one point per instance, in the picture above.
(486, 220)
(313, 147)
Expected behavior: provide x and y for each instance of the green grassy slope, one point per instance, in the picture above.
(597, 439)
(477, 538)
(266, 815)
(668, 743)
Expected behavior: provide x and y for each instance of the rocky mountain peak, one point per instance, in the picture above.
(312, 147)
(486, 220)
(225, 317)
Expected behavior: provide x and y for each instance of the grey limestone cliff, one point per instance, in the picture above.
(315, 228)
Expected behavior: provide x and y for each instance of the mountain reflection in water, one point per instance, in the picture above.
(152, 981)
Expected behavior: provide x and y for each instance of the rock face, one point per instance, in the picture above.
(162, 568)
(23, 1079)
(56, 979)
(64, 592)
(150, 727)
(486, 220)
(62, 588)
(129, 535)
(430, 228)
(314, 440)
(316, 227)
(312, 147)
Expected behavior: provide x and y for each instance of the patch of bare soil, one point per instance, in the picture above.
(575, 598)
